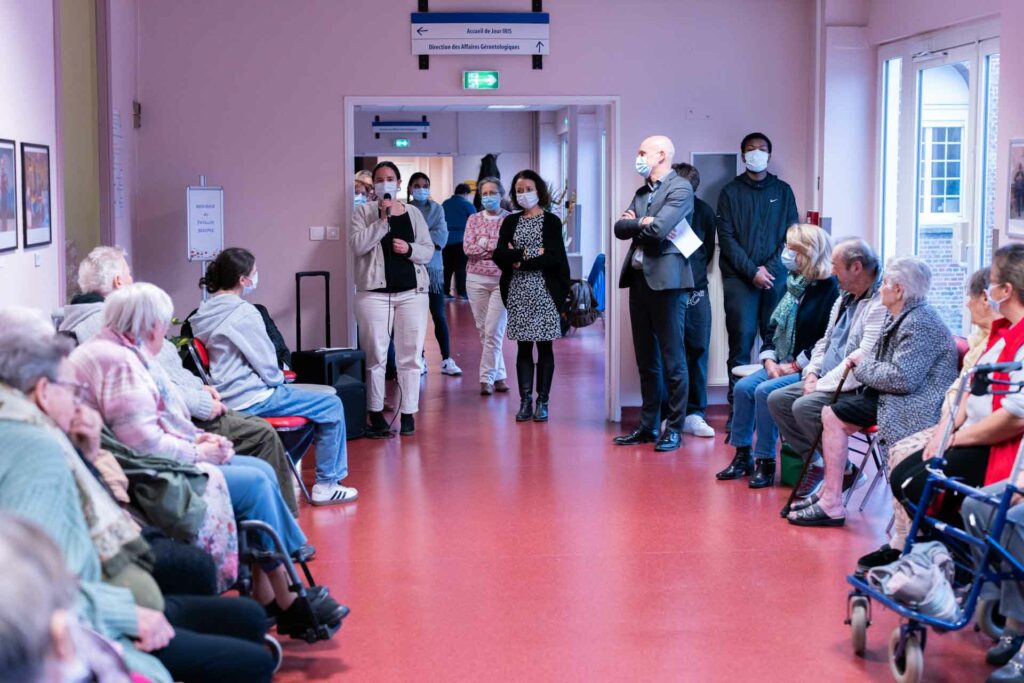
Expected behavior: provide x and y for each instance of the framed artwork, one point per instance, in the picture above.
(35, 194)
(8, 197)
(1015, 211)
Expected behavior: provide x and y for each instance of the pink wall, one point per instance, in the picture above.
(28, 113)
(253, 98)
(891, 20)
(1011, 98)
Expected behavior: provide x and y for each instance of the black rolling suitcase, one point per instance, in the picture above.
(343, 369)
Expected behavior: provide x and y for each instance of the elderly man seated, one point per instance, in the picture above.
(105, 270)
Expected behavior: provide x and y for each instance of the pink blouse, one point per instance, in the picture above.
(479, 242)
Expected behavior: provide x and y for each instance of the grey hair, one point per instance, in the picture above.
(97, 271)
(910, 273)
(29, 348)
(493, 181)
(855, 250)
(134, 310)
(36, 584)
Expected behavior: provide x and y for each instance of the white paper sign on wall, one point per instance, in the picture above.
(205, 222)
(481, 33)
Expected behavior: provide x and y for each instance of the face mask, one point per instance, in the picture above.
(527, 200)
(390, 187)
(789, 260)
(251, 288)
(642, 167)
(995, 303)
(421, 194)
(360, 199)
(491, 202)
(756, 160)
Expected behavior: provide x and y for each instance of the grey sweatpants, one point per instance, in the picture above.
(977, 521)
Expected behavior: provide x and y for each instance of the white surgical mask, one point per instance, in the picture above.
(995, 303)
(527, 200)
(247, 290)
(389, 187)
(642, 167)
(789, 260)
(756, 160)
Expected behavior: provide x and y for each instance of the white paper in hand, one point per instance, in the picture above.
(685, 239)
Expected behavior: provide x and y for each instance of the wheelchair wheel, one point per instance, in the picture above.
(988, 619)
(276, 651)
(909, 666)
(859, 624)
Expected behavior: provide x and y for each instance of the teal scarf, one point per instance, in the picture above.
(784, 317)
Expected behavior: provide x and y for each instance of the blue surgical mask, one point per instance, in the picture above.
(527, 200)
(789, 260)
(642, 167)
(360, 200)
(247, 290)
(995, 303)
(491, 202)
(421, 194)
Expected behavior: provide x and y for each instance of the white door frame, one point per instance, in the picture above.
(613, 342)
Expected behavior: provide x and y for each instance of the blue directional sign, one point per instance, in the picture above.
(481, 33)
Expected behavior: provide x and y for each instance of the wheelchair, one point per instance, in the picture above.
(907, 642)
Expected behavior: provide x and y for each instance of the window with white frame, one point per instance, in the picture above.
(941, 170)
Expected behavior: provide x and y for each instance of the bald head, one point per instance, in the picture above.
(659, 152)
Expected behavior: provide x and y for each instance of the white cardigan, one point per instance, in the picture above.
(366, 232)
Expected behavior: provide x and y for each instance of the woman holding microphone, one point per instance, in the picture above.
(391, 248)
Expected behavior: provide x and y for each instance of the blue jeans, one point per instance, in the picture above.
(255, 495)
(697, 338)
(323, 409)
(750, 412)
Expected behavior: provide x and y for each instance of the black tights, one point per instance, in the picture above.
(545, 369)
(545, 353)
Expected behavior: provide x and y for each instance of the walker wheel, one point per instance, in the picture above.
(276, 651)
(859, 624)
(909, 666)
(989, 621)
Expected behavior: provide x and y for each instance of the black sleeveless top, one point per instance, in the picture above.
(399, 271)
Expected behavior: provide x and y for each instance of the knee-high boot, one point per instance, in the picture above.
(545, 372)
(524, 373)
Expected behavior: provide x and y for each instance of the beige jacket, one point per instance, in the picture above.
(364, 238)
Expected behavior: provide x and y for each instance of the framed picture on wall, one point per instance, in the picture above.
(1015, 211)
(35, 194)
(8, 197)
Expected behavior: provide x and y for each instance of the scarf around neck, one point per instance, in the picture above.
(785, 314)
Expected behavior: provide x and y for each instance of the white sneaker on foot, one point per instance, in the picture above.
(448, 367)
(695, 424)
(332, 494)
(423, 366)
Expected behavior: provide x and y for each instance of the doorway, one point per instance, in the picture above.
(938, 155)
(583, 183)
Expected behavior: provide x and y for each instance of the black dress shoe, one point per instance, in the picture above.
(742, 464)
(1003, 651)
(525, 410)
(637, 436)
(540, 413)
(408, 424)
(304, 554)
(1013, 672)
(764, 474)
(669, 440)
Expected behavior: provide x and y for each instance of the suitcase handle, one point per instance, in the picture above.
(326, 275)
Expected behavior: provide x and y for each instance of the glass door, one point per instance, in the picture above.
(938, 165)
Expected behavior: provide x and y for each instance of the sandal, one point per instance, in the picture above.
(814, 515)
(801, 503)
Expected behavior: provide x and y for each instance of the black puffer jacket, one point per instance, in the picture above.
(753, 217)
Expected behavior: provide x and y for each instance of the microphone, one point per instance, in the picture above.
(387, 211)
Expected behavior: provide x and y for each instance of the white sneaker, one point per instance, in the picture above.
(332, 494)
(423, 366)
(695, 424)
(448, 367)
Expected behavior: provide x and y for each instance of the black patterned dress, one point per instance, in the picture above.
(532, 315)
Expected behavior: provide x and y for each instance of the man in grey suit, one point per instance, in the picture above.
(659, 279)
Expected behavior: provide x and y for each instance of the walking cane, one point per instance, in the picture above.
(817, 444)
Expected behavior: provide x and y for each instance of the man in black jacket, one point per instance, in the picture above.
(697, 327)
(658, 277)
(754, 212)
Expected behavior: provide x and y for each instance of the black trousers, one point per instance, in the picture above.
(967, 462)
(455, 261)
(657, 318)
(216, 640)
(748, 311)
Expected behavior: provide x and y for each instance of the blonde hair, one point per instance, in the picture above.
(97, 271)
(134, 310)
(815, 245)
(364, 182)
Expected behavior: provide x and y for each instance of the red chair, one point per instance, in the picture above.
(296, 432)
(869, 437)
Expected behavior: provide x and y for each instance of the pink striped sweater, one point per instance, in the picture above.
(479, 242)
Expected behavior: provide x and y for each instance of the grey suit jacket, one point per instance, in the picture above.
(663, 266)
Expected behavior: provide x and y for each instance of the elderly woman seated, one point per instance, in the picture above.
(47, 479)
(797, 323)
(145, 412)
(915, 360)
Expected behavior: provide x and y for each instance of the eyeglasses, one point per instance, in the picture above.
(78, 391)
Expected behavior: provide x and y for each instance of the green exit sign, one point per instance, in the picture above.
(480, 80)
(401, 143)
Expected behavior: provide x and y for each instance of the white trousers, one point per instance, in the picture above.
(491, 318)
(377, 313)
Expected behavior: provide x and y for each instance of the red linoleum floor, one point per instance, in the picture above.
(483, 550)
